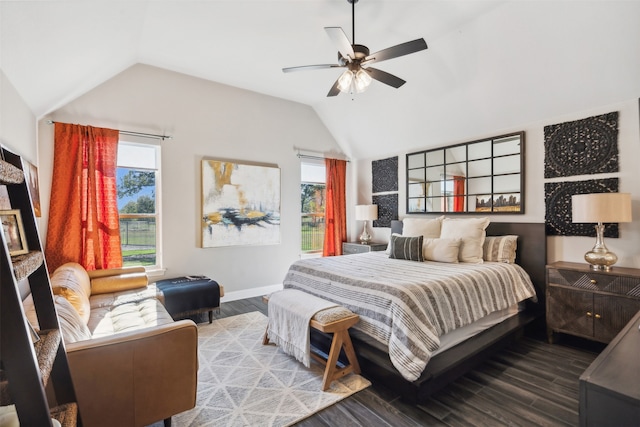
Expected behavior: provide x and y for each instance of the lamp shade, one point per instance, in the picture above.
(601, 207)
(366, 212)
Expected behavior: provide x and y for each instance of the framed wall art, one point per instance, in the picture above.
(14, 232)
(558, 216)
(240, 204)
(582, 147)
(387, 209)
(5, 202)
(31, 178)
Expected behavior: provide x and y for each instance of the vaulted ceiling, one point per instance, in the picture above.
(490, 66)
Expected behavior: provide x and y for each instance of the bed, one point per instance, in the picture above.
(412, 363)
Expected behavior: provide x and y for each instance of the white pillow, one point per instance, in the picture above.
(427, 228)
(441, 250)
(472, 233)
(500, 248)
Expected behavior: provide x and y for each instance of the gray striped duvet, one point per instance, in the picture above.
(407, 305)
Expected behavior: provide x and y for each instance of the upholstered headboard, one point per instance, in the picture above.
(532, 248)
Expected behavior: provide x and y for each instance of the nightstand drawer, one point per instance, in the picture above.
(349, 248)
(591, 281)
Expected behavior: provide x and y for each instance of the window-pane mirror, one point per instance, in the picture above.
(477, 176)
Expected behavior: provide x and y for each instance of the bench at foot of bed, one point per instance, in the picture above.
(336, 321)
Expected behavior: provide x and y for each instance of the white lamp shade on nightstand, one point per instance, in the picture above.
(366, 212)
(601, 207)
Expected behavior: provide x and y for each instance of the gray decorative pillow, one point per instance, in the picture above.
(409, 248)
(500, 248)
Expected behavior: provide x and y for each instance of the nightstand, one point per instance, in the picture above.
(609, 392)
(349, 248)
(591, 304)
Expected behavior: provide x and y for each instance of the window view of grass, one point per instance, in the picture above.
(138, 241)
(312, 200)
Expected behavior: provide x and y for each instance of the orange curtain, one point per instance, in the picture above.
(458, 193)
(83, 212)
(335, 210)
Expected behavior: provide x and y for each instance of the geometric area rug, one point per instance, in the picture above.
(244, 383)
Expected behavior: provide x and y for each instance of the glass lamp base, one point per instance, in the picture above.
(600, 257)
(365, 237)
(601, 261)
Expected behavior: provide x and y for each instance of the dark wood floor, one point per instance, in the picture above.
(531, 383)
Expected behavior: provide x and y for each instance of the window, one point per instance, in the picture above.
(312, 190)
(138, 177)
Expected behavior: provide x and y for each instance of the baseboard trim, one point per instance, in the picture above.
(250, 293)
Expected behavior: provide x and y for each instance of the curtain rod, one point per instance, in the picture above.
(131, 133)
(306, 156)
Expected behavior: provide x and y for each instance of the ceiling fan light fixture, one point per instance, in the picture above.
(362, 80)
(344, 81)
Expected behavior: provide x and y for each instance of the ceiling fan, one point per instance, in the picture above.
(354, 57)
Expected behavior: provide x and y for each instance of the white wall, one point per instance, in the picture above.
(558, 248)
(17, 122)
(207, 121)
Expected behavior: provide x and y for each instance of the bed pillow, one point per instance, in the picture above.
(427, 228)
(500, 249)
(441, 250)
(409, 248)
(472, 233)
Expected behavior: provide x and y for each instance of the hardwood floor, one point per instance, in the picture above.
(531, 384)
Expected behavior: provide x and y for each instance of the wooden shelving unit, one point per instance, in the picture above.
(27, 368)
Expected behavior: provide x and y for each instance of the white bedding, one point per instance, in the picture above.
(408, 305)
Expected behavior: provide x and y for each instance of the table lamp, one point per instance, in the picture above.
(366, 213)
(600, 208)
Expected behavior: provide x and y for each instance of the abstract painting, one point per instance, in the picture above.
(558, 216)
(582, 147)
(240, 204)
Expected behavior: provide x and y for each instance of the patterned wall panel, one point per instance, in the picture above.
(582, 147)
(384, 175)
(558, 206)
(387, 209)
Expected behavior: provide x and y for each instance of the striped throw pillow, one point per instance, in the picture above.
(409, 248)
(500, 248)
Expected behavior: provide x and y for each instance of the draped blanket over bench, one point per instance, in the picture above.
(289, 316)
(408, 305)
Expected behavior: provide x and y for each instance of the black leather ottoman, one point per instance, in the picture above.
(189, 295)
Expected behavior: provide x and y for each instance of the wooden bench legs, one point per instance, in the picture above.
(341, 340)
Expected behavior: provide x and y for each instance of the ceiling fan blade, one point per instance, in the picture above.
(396, 51)
(341, 41)
(334, 89)
(384, 77)
(310, 67)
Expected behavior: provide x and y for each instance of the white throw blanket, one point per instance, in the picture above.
(290, 311)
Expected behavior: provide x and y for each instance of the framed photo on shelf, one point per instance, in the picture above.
(14, 232)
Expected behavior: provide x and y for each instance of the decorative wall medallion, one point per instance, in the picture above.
(558, 207)
(582, 147)
(384, 175)
(387, 209)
